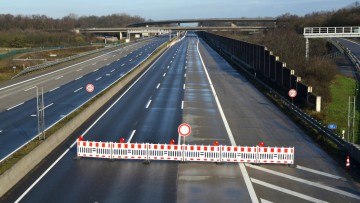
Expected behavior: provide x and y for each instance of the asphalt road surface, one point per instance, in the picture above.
(64, 92)
(189, 83)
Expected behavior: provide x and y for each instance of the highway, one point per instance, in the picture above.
(189, 83)
(64, 92)
(354, 47)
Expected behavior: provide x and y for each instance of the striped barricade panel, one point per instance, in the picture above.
(94, 149)
(276, 155)
(129, 151)
(238, 154)
(165, 152)
(201, 153)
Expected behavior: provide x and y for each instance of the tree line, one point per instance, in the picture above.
(71, 21)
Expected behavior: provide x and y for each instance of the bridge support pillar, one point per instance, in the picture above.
(307, 48)
(120, 36)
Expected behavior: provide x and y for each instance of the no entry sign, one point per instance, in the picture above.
(292, 93)
(90, 87)
(184, 129)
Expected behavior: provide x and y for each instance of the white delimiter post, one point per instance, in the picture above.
(318, 103)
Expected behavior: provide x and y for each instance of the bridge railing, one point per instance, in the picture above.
(331, 32)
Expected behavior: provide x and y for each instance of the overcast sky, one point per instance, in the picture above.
(170, 9)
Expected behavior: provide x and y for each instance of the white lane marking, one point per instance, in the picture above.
(30, 88)
(186, 61)
(287, 191)
(168, 67)
(59, 77)
(78, 77)
(86, 131)
(95, 70)
(98, 78)
(15, 106)
(148, 104)
(93, 64)
(185, 75)
(107, 74)
(318, 172)
(185, 67)
(305, 181)
(123, 64)
(112, 70)
(0, 131)
(33, 115)
(246, 177)
(78, 70)
(264, 201)
(157, 87)
(170, 61)
(48, 105)
(131, 136)
(164, 74)
(108, 64)
(130, 60)
(78, 89)
(54, 89)
(184, 86)
(182, 104)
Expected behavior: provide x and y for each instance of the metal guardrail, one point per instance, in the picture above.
(52, 63)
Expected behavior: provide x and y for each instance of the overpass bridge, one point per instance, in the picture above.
(205, 20)
(126, 31)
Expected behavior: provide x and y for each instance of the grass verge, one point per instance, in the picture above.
(336, 112)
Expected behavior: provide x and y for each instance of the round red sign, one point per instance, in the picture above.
(292, 93)
(90, 87)
(184, 129)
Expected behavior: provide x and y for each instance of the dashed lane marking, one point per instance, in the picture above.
(48, 105)
(148, 104)
(98, 78)
(30, 88)
(54, 89)
(59, 77)
(78, 89)
(157, 87)
(15, 106)
(131, 136)
(164, 74)
(78, 78)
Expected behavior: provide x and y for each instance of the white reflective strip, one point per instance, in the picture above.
(98, 78)
(164, 74)
(184, 86)
(284, 190)
(305, 181)
(182, 105)
(318, 172)
(78, 89)
(158, 86)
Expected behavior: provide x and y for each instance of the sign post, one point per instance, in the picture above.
(292, 93)
(184, 130)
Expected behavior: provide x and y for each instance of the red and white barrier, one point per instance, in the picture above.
(146, 151)
(94, 149)
(165, 152)
(276, 155)
(238, 154)
(201, 153)
(129, 151)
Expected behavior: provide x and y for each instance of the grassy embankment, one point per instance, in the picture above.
(29, 59)
(336, 112)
